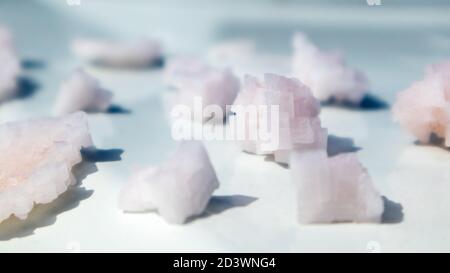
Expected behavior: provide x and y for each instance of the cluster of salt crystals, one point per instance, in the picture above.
(143, 53)
(194, 78)
(9, 66)
(424, 108)
(82, 92)
(178, 189)
(298, 118)
(326, 73)
(37, 157)
(335, 189)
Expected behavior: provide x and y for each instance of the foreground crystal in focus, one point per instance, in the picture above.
(335, 189)
(82, 92)
(424, 108)
(298, 121)
(9, 66)
(326, 73)
(178, 189)
(140, 54)
(37, 157)
(194, 78)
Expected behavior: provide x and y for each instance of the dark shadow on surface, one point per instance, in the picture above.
(117, 109)
(31, 64)
(221, 203)
(27, 87)
(393, 212)
(338, 145)
(101, 155)
(368, 103)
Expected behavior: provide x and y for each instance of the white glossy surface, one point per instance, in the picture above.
(255, 212)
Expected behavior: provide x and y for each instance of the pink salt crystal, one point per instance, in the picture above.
(335, 189)
(37, 157)
(82, 92)
(116, 54)
(438, 68)
(178, 188)
(326, 73)
(9, 66)
(6, 39)
(182, 70)
(194, 78)
(298, 120)
(423, 108)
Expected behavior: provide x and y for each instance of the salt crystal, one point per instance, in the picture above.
(177, 189)
(9, 66)
(37, 157)
(335, 189)
(139, 54)
(298, 121)
(326, 73)
(423, 108)
(195, 78)
(82, 92)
